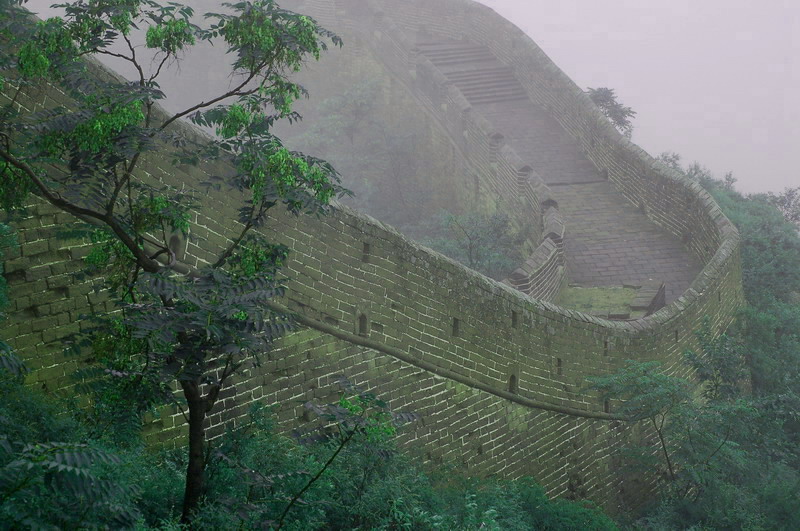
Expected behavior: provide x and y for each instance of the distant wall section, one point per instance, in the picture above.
(494, 170)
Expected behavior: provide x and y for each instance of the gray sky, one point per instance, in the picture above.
(713, 80)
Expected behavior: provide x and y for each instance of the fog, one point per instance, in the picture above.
(713, 80)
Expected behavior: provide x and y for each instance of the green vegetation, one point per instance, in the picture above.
(487, 243)
(788, 203)
(601, 301)
(8, 361)
(617, 113)
(350, 478)
(196, 327)
(729, 458)
(63, 466)
(6, 242)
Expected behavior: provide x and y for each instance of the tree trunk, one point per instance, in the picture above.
(195, 471)
(671, 470)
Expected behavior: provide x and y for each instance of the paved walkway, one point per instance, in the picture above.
(609, 242)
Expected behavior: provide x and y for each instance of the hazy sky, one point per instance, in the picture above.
(714, 80)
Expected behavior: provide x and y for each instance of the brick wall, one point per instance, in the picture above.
(498, 377)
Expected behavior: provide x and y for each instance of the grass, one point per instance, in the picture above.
(601, 301)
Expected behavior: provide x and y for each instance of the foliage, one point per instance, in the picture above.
(119, 385)
(770, 326)
(467, 503)
(47, 485)
(8, 361)
(7, 241)
(770, 245)
(788, 203)
(770, 248)
(369, 484)
(363, 434)
(486, 243)
(646, 393)
(694, 171)
(347, 473)
(53, 485)
(702, 444)
(619, 115)
(255, 256)
(738, 463)
(719, 365)
(17, 189)
(196, 326)
(61, 474)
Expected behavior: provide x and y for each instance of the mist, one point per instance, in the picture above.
(711, 81)
(714, 81)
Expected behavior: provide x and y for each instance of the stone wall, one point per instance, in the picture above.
(498, 377)
(676, 204)
(498, 167)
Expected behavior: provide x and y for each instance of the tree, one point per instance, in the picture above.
(695, 436)
(6, 241)
(9, 362)
(788, 202)
(647, 394)
(751, 383)
(486, 243)
(199, 326)
(619, 114)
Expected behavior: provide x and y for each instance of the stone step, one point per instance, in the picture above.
(456, 60)
(489, 89)
(610, 242)
(456, 51)
(476, 55)
(496, 99)
(444, 46)
(500, 71)
(511, 91)
(488, 82)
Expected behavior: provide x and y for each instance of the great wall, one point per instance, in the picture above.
(497, 371)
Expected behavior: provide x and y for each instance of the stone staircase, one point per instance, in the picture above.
(492, 88)
(475, 71)
(609, 241)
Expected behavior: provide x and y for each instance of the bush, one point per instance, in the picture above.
(63, 484)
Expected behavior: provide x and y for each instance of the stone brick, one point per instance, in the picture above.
(34, 248)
